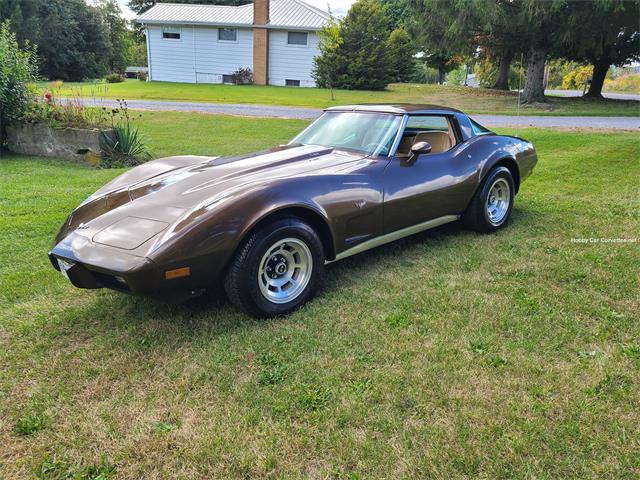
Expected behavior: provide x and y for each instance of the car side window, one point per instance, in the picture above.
(433, 129)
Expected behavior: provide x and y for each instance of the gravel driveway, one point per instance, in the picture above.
(618, 123)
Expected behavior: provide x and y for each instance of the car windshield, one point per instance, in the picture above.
(370, 133)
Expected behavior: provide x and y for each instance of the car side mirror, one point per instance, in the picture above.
(419, 148)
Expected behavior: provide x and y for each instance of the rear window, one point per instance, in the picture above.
(428, 122)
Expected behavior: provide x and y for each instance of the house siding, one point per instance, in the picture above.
(215, 58)
(172, 60)
(199, 57)
(293, 62)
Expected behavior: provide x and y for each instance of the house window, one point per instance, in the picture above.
(292, 83)
(171, 33)
(228, 34)
(227, 78)
(297, 38)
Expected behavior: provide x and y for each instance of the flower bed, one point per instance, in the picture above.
(65, 128)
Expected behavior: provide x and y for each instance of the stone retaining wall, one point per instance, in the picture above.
(79, 144)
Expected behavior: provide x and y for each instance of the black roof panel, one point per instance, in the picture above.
(397, 108)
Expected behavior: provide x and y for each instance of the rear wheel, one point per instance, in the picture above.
(492, 204)
(277, 269)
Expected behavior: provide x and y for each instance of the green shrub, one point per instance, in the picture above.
(142, 76)
(576, 78)
(114, 78)
(242, 76)
(457, 76)
(17, 71)
(126, 147)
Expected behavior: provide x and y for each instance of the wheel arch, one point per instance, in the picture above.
(510, 164)
(310, 215)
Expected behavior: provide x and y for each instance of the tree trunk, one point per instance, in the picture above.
(600, 69)
(534, 84)
(441, 74)
(502, 82)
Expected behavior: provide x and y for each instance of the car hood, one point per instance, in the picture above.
(146, 200)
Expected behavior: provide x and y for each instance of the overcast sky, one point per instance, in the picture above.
(338, 7)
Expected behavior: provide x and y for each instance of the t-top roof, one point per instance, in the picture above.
(396, 108)
(293, 14)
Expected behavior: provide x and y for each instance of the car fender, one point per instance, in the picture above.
(215, 230)
(500, 150)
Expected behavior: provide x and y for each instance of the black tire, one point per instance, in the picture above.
(242, 278)
(477, 216)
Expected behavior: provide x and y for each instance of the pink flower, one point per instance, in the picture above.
(47, 96)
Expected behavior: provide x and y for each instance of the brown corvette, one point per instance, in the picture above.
(267, 222)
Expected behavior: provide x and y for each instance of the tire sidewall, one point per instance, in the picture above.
(265, 238)
(495, 174)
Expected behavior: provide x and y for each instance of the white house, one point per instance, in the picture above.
(277, 39)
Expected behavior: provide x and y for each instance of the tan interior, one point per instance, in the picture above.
(440, 142)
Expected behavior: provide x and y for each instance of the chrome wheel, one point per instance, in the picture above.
(498, 201)
(285, 270)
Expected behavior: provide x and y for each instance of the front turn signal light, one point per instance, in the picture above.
(177, 273)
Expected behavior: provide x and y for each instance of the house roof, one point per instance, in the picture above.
(293, 14)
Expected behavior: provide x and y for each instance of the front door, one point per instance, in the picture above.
(433, 185)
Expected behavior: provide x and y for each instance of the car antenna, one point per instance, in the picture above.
(519, 91)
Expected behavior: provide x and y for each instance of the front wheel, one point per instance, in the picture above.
(277, 269)
(491, 206)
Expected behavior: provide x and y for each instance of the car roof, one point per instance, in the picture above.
(395, 108)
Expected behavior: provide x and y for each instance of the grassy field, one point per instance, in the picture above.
(467, 99)
(446, 355)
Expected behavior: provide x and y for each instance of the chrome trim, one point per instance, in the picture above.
(396, 142)
(398, 234)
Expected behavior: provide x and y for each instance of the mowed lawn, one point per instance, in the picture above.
(470, 100)
(446, 355)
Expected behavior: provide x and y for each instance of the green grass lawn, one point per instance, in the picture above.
(446, 355)
(467, 99)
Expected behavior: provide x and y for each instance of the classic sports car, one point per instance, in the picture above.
(267, 222)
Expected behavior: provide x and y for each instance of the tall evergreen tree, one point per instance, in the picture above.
(603, 33)
(357, 52)
(443, 43)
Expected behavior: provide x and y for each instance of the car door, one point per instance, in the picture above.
(433, 185)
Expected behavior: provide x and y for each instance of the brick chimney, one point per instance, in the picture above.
(260, 42)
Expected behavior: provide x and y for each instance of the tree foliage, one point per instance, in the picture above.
(602, 33)
(362, 52)
(74, 40)
(17, 71)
